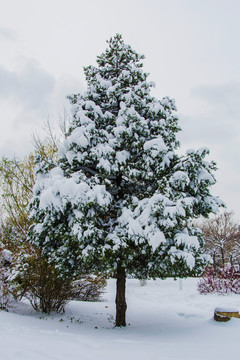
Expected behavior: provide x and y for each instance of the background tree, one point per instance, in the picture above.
(235, 252)
(16, 182)
(222, 239)
(120, 198)
(47, 147)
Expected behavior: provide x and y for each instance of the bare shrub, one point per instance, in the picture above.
(88, 288)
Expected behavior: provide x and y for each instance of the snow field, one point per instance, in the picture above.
(165, 323)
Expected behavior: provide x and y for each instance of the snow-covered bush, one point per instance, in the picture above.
(5, 288)
(221, 281)
(4, 294)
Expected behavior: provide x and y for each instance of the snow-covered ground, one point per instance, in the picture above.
(166, 321)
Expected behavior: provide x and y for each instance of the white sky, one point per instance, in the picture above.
(192, 53)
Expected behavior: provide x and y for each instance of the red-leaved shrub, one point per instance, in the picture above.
(221, 281)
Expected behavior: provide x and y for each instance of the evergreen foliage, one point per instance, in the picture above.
(120, 192)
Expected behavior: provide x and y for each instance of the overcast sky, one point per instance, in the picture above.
(192, 51)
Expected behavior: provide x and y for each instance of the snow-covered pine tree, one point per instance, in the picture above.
(120, 199)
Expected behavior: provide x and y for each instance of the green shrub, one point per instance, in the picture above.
(39, 282)
(88, 288)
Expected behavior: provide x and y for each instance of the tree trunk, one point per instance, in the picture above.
(121, 305)
(214, 261)
(223, 258)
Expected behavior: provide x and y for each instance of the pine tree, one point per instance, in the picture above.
(120, 199)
